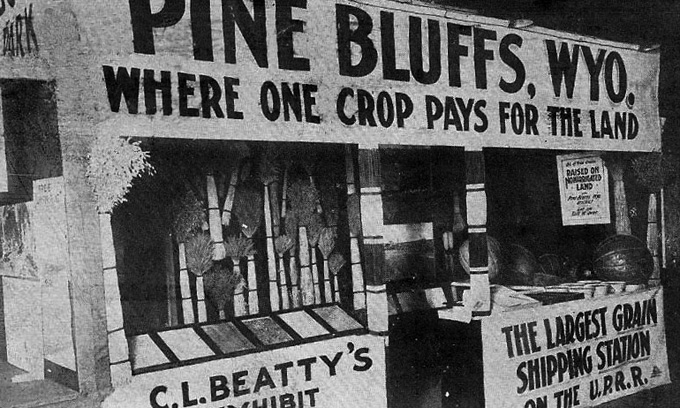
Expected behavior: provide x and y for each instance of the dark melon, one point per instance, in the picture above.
(551, 264)
(494, 253)
(623, 258)
(521, 265)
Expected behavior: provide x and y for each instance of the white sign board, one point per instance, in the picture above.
(337, 373)
(579, 353)
(584, 189)
(372, 72)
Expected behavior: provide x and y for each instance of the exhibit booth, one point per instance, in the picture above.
(254, 203)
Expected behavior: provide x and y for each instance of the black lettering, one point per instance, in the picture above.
(434, 51)
(120, 84)
(186, 398)
(285, 27)
(201, 30)
(366, 106)
(434, 109)
(616, 95)
(264, 379)
(254, 29)
(185, 91)
(359, 36)
(271, 110)
(219, 389)
(562, 67)
(481, 54)
(231, 95)
(361, 357)
(143, 22)
(292, 100)
(283, 367)
(310, 101)
(512, 60)
(238, 382)
(404, 108)
(150, 88)
(307, 363)
(594, 68)
(153, 396)
(332, 364)
(521, 375)
(385, 110)
(340, 106)
(636, 375)
(389, 63)
(481, 115)
(210, 96)
(456, 50)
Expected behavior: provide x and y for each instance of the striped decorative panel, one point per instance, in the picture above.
(199, 343)
(185, 344)
(303, 324)
(228, 338)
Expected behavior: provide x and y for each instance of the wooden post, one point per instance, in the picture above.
(663, 228)
(653, 239)
(274, 298)
(372, 246)
(121, 370)
(253, 299)
(214, 220)
(88, 299)
(229, 201)
(480, 295)
(358, 287)
(620, 202)
(315, 274)
(295, 296)
(200, 301)
(184, 286)
(240, 307)
(306, 280)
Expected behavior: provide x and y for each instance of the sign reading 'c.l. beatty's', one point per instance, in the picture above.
(341, 372)
(579, 353)
(376, 72)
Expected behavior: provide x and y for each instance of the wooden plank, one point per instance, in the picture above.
(3, 338)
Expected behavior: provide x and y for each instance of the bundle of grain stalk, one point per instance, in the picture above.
(237, 248)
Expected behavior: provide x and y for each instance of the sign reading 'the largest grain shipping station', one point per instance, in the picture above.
(373, 72)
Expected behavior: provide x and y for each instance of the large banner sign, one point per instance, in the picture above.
(343, 372)
(578, 353)
(373, 72)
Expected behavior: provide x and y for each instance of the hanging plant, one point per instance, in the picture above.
(112, 164)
